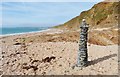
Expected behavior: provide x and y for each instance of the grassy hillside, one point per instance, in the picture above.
(103, 22)
(103, 14)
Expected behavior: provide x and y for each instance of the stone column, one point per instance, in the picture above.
(82, 52)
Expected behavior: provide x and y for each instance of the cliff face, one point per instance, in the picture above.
(103, 22)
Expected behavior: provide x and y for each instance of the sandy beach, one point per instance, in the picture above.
(54, 52)
(49, 34)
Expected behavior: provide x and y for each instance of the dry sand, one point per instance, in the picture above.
(34, 53)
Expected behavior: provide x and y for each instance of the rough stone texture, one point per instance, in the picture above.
(82, 52)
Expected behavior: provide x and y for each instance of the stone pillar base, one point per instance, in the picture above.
(77, 67)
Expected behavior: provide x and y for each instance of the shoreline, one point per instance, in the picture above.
(23, 33)
(28, 54)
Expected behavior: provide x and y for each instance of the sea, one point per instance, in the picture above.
(20, 30)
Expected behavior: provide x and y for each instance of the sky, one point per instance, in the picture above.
(40, 14)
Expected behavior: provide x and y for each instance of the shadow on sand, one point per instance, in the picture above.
(100, 59)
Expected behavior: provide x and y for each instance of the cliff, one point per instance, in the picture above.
(103, 22)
